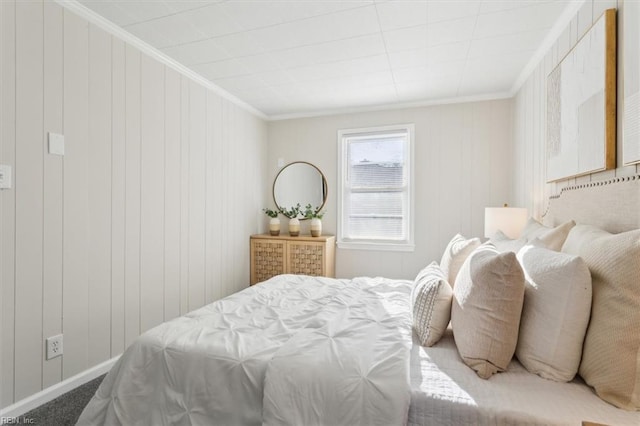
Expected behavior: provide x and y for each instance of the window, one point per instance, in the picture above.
(375, 184)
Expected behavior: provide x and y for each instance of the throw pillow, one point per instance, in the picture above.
(553, 238)
(503, 243)
(611, 352)
(555, 314)
(457, 251)
(485, 314)
(431, 302)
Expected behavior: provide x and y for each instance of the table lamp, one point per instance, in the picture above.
(510, 220)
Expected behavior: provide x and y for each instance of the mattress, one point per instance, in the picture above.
(444, 391)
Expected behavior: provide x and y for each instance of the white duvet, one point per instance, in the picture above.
(293, 350)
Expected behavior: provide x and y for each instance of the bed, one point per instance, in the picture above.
(309, 350)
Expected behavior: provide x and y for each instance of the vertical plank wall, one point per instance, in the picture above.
(530, 189)
(7, 201)
(145, 217)
(53, 187)
(29, 201)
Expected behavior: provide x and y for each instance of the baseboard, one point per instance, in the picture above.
(52, 392)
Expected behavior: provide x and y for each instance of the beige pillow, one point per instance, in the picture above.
(457, 251)
(553, 238)
(611, 352)
(503, 243)
(431, 302)
(485, 314)
(555, 314)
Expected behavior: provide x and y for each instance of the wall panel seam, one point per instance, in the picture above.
(43, 197)
(164, 195)
(15, 205)
(62, 183)
(111, 216)
(15, 209)
(126, 216)
(188, 196)
(140, 87)
(88, 153)
(206, 196)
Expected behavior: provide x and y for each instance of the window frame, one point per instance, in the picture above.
(381, 244)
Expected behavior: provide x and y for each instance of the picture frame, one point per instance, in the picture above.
(631, 85)
(581, 105)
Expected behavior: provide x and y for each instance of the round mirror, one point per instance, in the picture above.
(300, 182)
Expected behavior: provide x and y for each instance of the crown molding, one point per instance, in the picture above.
(91, 16)
(553, 35)
(394, 106)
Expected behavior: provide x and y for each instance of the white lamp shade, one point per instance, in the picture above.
(510, 220)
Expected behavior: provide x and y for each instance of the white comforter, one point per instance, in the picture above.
(292, 350)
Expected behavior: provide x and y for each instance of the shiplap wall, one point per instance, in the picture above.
(462, 165)
(145, 218)
(530, 189)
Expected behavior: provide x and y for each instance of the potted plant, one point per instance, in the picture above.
(274, 222)
(294, 222)
(316, 219)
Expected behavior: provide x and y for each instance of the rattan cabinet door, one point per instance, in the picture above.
(267, 259)
(307, 258)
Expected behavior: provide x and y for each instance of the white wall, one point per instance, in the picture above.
(146, 217)
(530, 189)
(462, 165)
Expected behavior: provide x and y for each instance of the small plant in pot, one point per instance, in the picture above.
(294, 222)
(316, 219)
(274, 222)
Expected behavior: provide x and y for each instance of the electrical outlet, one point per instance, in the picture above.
(54, 346)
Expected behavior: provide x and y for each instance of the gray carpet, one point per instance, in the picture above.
(65, 409)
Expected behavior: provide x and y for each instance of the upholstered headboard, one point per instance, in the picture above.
(613, 205)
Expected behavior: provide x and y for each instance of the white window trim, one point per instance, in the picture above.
(406, 245)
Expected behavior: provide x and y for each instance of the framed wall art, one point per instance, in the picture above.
(631, 89)
(581, 105)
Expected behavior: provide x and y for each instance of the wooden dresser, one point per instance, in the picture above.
(283, 254)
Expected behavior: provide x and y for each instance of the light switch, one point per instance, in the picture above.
(56, 144)
(5, 176)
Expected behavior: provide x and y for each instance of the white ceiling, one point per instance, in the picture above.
(288, 57)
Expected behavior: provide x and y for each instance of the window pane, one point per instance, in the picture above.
(375, 228)
(376, 175)
(379, 150)
(376, 163)
(376, 203)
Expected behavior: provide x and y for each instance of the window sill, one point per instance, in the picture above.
(352, 245)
